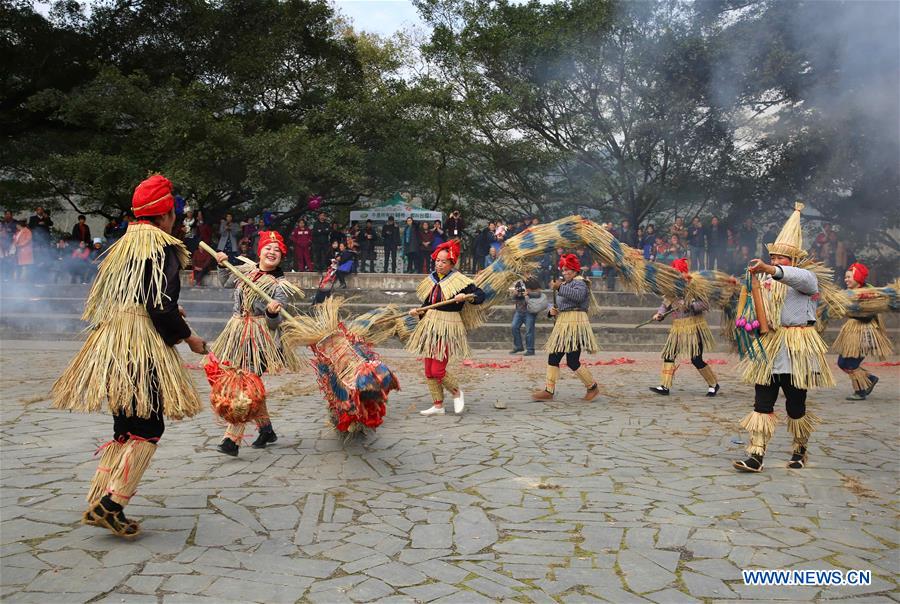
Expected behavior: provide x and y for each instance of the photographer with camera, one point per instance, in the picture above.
(530, 302)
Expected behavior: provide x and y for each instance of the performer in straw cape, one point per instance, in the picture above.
(441, 333)
(794, 359)
(860, 336)
(689, 334)
(251, 339)
(128, 363)
(572, 332)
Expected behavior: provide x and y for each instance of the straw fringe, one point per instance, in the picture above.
(450, 285)
(375, 325)
(495, 281)
(120, 277)
(806, 350)
(116, 367)
(872, 300)
(572, 331)
(248, 342)
(686, 336)
(127, 475)
(761, 427)
(439, 335)
(857, 339)
(859, 377)
(112, 453)
(804, 426)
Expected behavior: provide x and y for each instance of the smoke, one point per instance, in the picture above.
(834, 70)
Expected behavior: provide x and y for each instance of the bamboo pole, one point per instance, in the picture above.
(257, 289)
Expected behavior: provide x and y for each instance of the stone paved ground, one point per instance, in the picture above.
(628, 499)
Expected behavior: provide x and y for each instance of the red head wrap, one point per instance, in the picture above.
(680, 265)
(452, 249)
(153, 197)
(569, 261)
(860, 272)
(267, 237)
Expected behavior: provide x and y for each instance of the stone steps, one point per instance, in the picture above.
(54, 311)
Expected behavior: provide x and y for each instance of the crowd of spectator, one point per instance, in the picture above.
(30, 250)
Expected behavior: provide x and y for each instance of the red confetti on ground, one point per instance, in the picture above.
(884, 364)
(192, 366)
(709, 362)
(619, 361)
(491, 364)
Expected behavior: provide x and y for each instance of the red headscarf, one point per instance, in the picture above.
(153, 197)
(267, 237)
(860, 272)
(569, 261)
(452, 249)
(680, 265)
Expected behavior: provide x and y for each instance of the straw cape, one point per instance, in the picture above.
(863, 334)
(441, 334)
(124, 357)
(247, 341)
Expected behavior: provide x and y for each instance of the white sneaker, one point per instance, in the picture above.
(433, 410)
(459, 402)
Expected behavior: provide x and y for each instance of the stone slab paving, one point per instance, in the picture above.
(630, 498)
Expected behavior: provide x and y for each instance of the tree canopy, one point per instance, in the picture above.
(635, 110)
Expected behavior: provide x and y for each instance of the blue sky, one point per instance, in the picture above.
(382, 17)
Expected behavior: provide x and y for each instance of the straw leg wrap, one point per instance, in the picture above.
(552, 377)
(584, 374)
(668, 374)
(449, 382)
(860, 379)
(112, 454)
(127, 475)
(708, 375)
(235, 432)
(800, 429)
(761, 427)
(436, 390)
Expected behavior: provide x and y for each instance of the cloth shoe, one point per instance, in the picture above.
(754, 463)
(433, 410)
(228, 447)
(873, 379)
(266, 435)
(459, 402)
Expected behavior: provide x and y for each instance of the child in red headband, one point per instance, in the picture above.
(861, 335)
(251, 339)
(441, 334)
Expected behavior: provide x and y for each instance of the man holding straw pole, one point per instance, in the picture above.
(794, 359)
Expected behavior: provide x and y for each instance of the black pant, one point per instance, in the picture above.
(767, 394)
(369, 259)
(150, 427)
(573, 359)
(390, 252)
(697, 361)
(320, 254)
